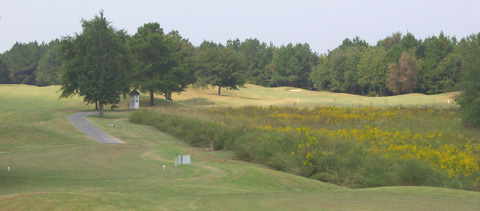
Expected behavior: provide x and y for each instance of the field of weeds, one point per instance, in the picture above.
(353, 147)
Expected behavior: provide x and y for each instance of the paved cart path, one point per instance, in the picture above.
(91, 129)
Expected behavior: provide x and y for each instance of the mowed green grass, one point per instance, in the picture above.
(55, 167)
(290, 96)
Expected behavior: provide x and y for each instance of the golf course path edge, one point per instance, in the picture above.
(91, 129)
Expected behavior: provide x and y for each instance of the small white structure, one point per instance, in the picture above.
(134, 100)
(180, 158)
(186, 159)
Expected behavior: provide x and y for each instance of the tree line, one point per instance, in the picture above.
(398, 64)
(31, 63)
(163, 63)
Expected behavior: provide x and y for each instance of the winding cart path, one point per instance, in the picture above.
(91, 129)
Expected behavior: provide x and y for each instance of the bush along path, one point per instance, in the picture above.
(90, 129)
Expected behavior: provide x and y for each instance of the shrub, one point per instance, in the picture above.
(335, 145)
(413, 172)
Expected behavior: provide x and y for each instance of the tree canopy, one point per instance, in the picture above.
(402, 77)
(149, 46)
(258, 60)
(167, 63)
(220, 66)
(469, 99)
(4, 73)
(49, 65)
(96, 63)
(357, 68)
(23, 60)
(292, 65)
(32, 63)
(162, 60)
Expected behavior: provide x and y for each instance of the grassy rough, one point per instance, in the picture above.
(66, 170)
(346, 154)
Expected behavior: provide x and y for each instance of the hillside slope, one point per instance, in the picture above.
(54, 166)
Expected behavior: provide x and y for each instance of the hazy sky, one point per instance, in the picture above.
(322, 24)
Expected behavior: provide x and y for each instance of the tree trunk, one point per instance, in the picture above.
(96, 105)
(168, 96)
(152, 102)
(101, 109)
(219, 88)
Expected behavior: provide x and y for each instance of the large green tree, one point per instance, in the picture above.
(96, 63)
(178, 66)
(469, 99)
(220, 66)
(149, 45)
(162, 60)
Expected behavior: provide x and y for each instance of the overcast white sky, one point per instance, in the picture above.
(322, 24)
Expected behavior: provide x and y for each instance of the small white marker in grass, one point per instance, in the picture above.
(178, 160)
(163, 167)
(8, 168)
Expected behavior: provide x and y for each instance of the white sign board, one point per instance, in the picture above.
(186, 159)
(178, 160)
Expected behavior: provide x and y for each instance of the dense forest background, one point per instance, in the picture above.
(398, 64)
